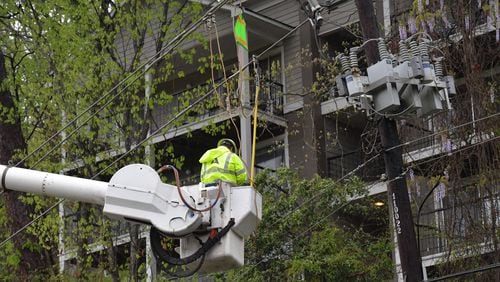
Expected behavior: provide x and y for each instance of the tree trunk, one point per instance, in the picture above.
(12, 140)
(134, 251)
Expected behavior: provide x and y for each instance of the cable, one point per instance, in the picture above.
(179, 191)
(30, 223)
(479, 269)
(286, 215)
(157, 130)
(368, 41)
(419, 211)
(321, 192)
(255, 112)
(316, 223)
(228, 86)
(282, 218)
(419, 33)
(389, 115)
(458, 151)
(128, 51)
(343, 25)
(144, 67)
(195, 103)
(443, 131)
(281, 39)
(126, 153)
(148, 64)
(201, 98)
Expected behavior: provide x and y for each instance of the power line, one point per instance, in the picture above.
(172, 46)
(462, 273)
(128, 152)
(369, 161)
(444, 131)
(346, 203)
(30, 223)
(316, 223)
(457, 151)
(282, 219)
(144, 67)
(300, 205)
(156, 131)
(183, 112)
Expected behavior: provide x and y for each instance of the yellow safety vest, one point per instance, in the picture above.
(220, 164)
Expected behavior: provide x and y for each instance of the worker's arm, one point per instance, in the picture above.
(239, 170)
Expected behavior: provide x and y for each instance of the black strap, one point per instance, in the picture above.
(164, 255)
(4, 174)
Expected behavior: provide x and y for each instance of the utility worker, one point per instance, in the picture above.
(222, 164)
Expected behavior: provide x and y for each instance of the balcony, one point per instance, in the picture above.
(460, 222)
(270, 102)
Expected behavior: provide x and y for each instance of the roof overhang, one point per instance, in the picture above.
(262, 32)
(264, 29)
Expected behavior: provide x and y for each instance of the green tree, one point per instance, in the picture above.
(62, 57)
(311, 229)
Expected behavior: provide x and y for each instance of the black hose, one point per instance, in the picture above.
(171, 270)
(164, 255)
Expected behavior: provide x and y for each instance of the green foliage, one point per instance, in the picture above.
(307, 232)
(11, 256)
(62, 57)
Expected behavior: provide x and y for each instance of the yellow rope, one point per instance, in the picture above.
(255, 111)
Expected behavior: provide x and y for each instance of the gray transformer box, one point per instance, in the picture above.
(383, 88)
(431, 101)
(408, 91)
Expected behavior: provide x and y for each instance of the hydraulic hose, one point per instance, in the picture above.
(179, 191)
(163, 255)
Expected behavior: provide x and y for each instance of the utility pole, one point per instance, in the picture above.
(411, 264)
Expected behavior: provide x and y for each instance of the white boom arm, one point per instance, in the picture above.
(53, 185)
(134, 193)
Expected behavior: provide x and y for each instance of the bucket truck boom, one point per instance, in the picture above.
(136, 193)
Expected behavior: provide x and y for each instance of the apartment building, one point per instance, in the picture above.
(324, 133)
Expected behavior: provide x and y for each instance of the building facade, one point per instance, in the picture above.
(309, 127)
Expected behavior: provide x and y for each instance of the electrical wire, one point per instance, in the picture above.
(321, 192)
(126, 153)
(366, 163)
(462, 273)
(419, 211)
(343, 25)
(201, 99)
(158, 130)
(368, 41)
(443, 131)
(281, 39)
(418, 163)
(344, 204)
(132, 149)
(228, 86)
(287, 214)
(419, 33)
(128, 51)
(255, 112)
(30, 223)
(144, 67)
(316, 223)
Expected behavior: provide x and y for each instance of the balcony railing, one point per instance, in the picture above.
(270, 97)
(461, 222)
(270, 101)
